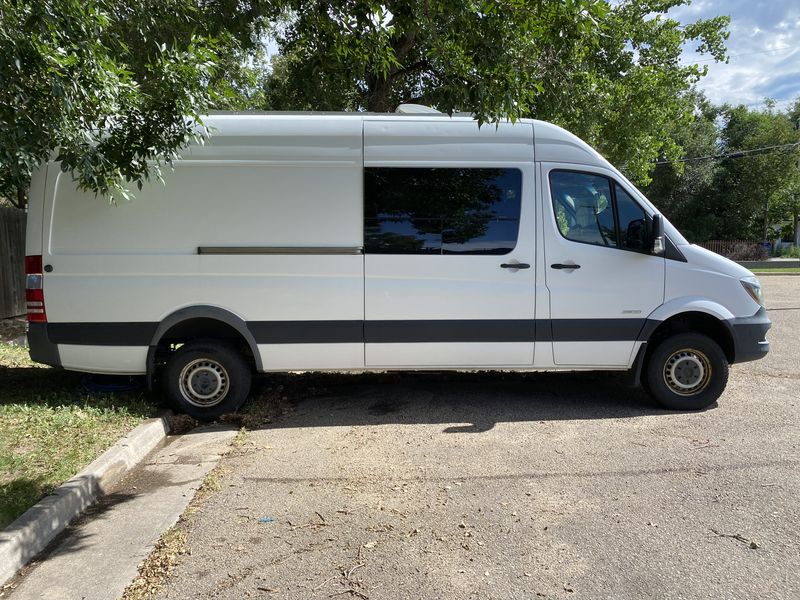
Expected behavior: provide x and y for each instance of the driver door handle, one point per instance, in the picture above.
(564, 266)
(515, 266)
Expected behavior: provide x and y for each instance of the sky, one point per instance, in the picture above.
(764, 50)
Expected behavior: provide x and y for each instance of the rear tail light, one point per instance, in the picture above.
(34, 290)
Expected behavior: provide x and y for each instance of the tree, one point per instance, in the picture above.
(624, 91)
(741, 175)
(117, 86)
(684, 190)
(609, 72)
(759, 188)
(114, 87)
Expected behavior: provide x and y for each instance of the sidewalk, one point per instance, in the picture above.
(97, 557)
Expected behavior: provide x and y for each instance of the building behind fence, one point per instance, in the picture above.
(12, 262)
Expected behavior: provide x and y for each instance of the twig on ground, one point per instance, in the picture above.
(352, 592)
(332, 577)
(735, 536)
(293, 527)
(349, 573)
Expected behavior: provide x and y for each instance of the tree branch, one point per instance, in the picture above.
(420, 64)
(405, 45)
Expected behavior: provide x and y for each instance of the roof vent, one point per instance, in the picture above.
(416, 109)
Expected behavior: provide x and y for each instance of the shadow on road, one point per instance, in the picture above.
(464, 402)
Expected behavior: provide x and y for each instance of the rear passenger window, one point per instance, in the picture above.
(586, 211)
(441, 210)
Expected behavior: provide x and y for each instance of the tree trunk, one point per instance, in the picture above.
(22, 199)
(380, 95)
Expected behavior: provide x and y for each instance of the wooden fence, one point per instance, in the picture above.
(737, 249)
(726, 246)
(12, 262)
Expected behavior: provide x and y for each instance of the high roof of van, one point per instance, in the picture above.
(551, 142)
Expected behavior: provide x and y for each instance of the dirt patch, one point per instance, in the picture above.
(12, 329)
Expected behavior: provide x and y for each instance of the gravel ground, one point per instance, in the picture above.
(509, 486)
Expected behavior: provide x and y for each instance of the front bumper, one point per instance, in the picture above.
(749, 336)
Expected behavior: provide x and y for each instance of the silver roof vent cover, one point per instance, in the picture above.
(416, 109)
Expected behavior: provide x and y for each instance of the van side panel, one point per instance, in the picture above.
(277, 203)
(445, 309)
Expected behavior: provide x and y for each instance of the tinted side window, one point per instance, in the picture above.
(441, 210)
(583, 208)
(632, 221)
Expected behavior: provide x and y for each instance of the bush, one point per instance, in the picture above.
(747, 252)
(788, 252)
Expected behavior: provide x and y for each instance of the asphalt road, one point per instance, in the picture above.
(507, 486)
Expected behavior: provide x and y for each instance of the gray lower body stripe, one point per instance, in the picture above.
(376, 332)
(592, 330)
(387, 332)
(307, 332)
(102, 334)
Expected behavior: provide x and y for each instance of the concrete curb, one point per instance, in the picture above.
(767, 264)
(29, 534)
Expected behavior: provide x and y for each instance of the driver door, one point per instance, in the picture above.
(603, 281)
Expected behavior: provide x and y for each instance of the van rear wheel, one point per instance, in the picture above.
(207, 379)
(687, 371)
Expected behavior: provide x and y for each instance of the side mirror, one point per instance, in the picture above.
(658, 235)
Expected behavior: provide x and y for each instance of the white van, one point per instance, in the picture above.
(386, 242)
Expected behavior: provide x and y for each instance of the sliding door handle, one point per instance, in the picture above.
(515, 266)
(564, 266)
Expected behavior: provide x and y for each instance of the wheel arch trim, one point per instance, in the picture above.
(687, 306)
(678, 306)
(215, 313)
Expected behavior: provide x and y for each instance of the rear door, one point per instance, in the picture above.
(448, 243)
(603, 281)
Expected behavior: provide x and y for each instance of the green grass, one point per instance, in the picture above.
(50, 428)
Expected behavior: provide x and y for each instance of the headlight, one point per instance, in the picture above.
(752, 286)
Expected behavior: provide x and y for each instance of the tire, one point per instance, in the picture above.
(687, 371)
(206, 379)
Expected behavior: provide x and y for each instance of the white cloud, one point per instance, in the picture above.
(764, 50)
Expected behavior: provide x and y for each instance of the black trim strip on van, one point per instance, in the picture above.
(393, 332)
(606, 330)
(348, 250)
(307, 332)
(102, 334)
(377, 332)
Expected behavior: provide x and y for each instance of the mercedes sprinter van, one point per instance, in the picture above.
(380, 242)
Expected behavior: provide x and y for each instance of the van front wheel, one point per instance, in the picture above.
(206, 379)
(687, 371)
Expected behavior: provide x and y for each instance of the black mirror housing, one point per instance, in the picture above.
(658, 243)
